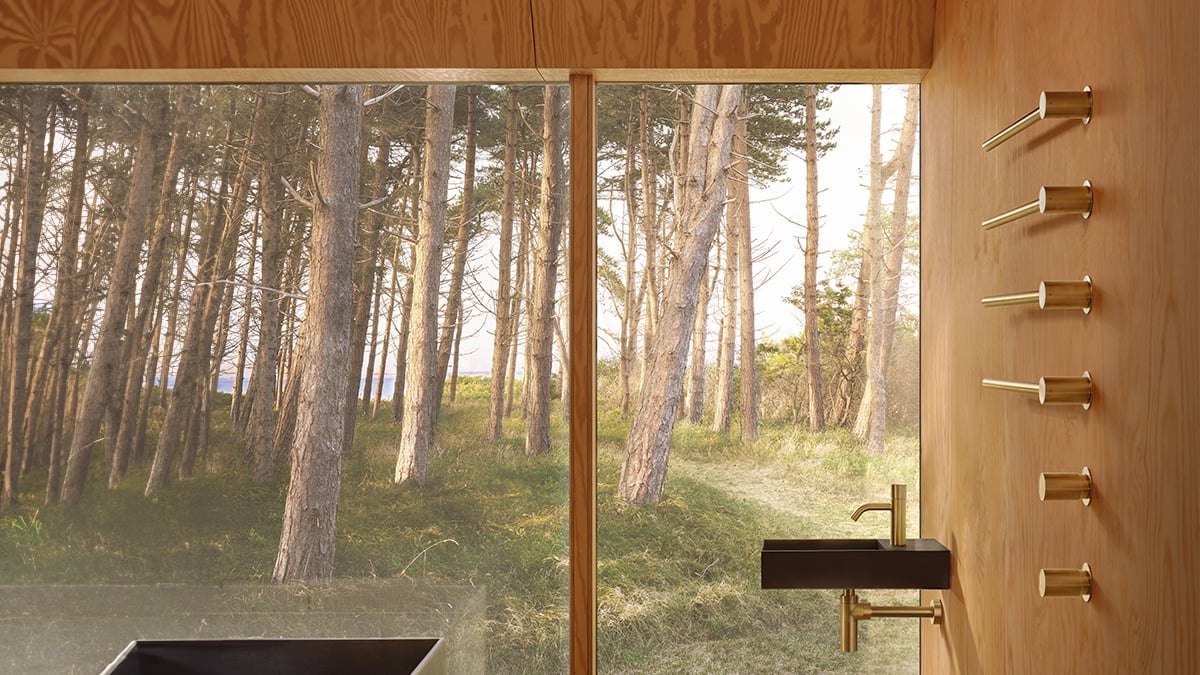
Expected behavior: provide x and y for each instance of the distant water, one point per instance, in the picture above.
(225, 384)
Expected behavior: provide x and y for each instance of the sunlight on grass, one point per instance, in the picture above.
(678, 582)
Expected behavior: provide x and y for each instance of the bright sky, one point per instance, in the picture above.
(841, 204)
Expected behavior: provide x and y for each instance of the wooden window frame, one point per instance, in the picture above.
(581, 251)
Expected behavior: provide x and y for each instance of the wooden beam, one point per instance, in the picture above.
(680, 35)
(465, 40)
(582, 362)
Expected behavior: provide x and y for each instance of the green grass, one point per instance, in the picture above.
(678, 582)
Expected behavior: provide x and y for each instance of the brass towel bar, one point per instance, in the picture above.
(1051, 104)
(1051, 199)
(1050, 295)
(1052, 390)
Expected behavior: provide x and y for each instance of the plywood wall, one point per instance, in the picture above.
(982, 449)
(488, 40)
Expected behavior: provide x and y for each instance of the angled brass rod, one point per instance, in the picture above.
(1013, 129)
(1051, 104)
(1052, 389)
(1009, 216)
(1051, 199)
(1011, 299)
(1008, 385)
(1050, 295)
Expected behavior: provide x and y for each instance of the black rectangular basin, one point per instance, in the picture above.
(854, 563)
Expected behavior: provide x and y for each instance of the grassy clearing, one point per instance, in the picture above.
(678, 587)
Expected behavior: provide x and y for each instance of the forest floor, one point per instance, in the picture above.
(678, 583)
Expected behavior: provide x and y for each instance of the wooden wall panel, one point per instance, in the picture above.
(621, 37)
(244, 34)
(465, 40)
(983, 450)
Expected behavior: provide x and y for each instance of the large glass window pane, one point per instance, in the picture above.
(759, 361)
(278, 333)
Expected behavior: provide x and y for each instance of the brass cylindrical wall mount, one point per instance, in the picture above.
(1051, 105)
(1066, 486)
(1051, 199)
(1066, 583)
(1052, 389)
(1050, 295)
(899, 514)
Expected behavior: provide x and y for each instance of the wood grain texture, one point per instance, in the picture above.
(213, 34)
(733, 34)
(581, 242)
(465, 40)
(982, 450)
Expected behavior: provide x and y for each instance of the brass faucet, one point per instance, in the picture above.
(853, 611)
(899, 512)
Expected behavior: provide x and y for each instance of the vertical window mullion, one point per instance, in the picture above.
(582, 366)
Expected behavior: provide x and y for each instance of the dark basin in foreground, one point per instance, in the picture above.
(854, 563)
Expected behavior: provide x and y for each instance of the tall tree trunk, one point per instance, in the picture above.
(748, 367)
(461, 242)
(883, 321)
(726, 348)
(812, 342)
(393, 291)
(258, 434)
(871, 421)
(402, 341)
(176, 301)
(629, 306)
(365, 268)
(421, 387)
(21, 321)
(35, 388)
(650, 227)
(856, 340)
(67, 300)
(372, 343)
(553, 212)
(503, 336)
(694, 397)
(306, 545)
(520, 290)
(705, 185)
(152, 147)
(140, 331)
(181, 428)
(238, 401)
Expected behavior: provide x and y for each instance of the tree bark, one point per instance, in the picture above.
(553, 211)
(462, 240)
(812, 342)
(307, 542)
(650, 227)
(740, 188)
(630, 307)
(140, 331)
(20, 323)
(726, 348)
(259, 434)
(181, 428)
(105, 370)
(421, 387)
(503, 335)
(67, 301)
(705, 185)
(871, 421)
(365, 273)
(694, 398)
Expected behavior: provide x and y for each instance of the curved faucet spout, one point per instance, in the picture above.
(875, 506)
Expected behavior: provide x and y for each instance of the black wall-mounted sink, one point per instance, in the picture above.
(854, 563)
